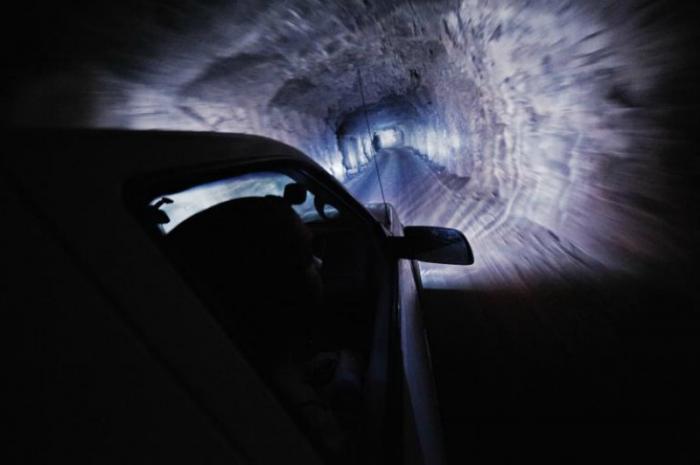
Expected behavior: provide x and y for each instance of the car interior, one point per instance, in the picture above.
(300, 284)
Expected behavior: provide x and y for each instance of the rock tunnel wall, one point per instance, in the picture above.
(554, 114)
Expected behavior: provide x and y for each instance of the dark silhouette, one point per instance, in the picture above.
(252, 258)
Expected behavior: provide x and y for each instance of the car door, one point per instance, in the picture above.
(422, 427)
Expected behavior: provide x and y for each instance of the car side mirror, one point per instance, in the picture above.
(433, 245)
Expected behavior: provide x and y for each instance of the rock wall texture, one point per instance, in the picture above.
(566, 129)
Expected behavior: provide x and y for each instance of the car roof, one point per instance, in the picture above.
(64, 165)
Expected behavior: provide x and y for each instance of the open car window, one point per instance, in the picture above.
(295, 276)
(178, 206)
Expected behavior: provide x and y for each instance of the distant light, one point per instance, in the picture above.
(455, 140)
(386, 138)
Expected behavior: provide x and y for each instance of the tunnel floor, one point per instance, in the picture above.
(575, 368)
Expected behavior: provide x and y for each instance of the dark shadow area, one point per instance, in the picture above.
(581, 373)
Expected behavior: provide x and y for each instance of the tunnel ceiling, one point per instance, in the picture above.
(553, 132)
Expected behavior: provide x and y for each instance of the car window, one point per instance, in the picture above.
(178, 206)
(294, 281)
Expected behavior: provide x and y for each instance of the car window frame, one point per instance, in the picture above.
(143, 188)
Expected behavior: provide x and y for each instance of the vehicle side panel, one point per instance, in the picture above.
(424, 426)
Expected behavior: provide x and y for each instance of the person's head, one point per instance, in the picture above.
(255, 255)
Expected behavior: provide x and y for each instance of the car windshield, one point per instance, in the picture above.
(178, 206)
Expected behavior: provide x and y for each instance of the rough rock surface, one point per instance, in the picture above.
(560, 129)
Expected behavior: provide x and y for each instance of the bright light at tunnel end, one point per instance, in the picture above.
(387, 138)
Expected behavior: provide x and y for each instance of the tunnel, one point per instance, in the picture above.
(559, 136)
